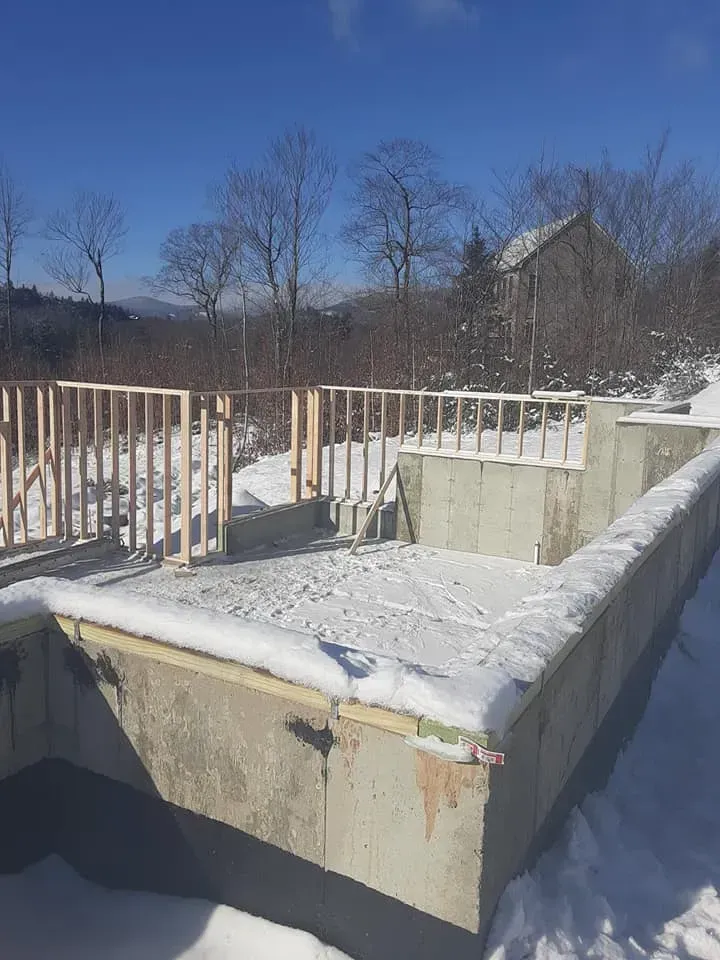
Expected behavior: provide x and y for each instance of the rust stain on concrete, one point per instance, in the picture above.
(441, 782)
(349, 739)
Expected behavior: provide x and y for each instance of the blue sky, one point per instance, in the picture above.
(151, 100)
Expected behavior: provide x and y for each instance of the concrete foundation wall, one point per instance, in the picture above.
(23, 696)
(263, 802)
(647, 452)
(503, 509)
(275, 523)
(23, 563)
(295, 519)
(346, 517)
(564, 738)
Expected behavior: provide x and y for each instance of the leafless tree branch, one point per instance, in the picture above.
(85, 236)
(15, 218)
(277, 209)
(198, 264)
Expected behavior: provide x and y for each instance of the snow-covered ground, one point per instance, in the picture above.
(707, 402)
(429, 607)
(50, 913)
(637, 870)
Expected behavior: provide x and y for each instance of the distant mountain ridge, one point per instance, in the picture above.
(152, 307)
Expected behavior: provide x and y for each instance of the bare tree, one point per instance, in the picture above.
(400, 224)
(86, 236)
(15, 219)
(277, 209)
(664, 220)
(198, 264)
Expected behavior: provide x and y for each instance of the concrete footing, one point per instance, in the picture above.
(269, 526)
(23, 563)
(347, 516)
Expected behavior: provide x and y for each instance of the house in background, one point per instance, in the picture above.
(570, 277)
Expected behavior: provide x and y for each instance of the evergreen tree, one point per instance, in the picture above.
(472, 303)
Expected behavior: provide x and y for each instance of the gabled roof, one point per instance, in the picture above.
(518, 250)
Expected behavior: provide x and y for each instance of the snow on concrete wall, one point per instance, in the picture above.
(576, 592)
(591, 643)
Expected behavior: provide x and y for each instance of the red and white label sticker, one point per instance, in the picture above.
(482, 754)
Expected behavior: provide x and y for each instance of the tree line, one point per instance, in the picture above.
(258, 270)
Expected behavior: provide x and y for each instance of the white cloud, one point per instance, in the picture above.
(444, 9)
(342, 14)
(689, 52)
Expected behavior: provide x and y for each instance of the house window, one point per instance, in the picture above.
(532, 292)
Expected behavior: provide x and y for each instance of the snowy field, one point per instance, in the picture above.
(50, 913)
(637, 871)
(430, 607)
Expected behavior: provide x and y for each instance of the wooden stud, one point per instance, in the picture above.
(230, 672)
(55, 472)
(167, 475)
(227, 457)
(382, 719)
(220, 453)
(6, 504)
(119, 387)
(458, 437)
(149, 475)
(331, 446)
(440, 417)
(401, 419)
(29, 481)
(348, 445)
(99, 464)
(318, 407)
(83, 461)
(543, 429)
(479, 427)
(566, 433)
(501, 408)
(204, 473)
(115, 465)
(377, 503)
(383, 436)
(586, 434)
(186, 537)
(366, 446)
(313, 478)
(42, 460)
(132, 471)
(310, 443)
(296, 447)
(67, 463)
(521, 428)
(197, 663)
(22, 467)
